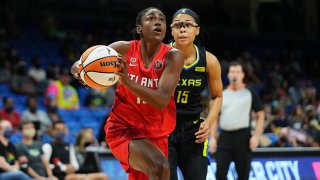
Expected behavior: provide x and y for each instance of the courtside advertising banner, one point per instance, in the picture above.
(283, 168)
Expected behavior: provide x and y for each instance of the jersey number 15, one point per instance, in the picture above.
(182, 97)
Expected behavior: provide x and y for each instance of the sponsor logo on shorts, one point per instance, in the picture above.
(195, 122)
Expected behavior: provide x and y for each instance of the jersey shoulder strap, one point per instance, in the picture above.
(202, 55)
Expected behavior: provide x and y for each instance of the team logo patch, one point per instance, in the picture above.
(200, 69)
(133, 60)
(157, 65)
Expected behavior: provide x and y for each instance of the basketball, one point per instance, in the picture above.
(98, 65)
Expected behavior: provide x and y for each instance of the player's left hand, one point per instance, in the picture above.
(203, 133)
(123, 73)
(254, 142)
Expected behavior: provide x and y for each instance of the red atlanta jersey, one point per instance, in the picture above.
(130, 110)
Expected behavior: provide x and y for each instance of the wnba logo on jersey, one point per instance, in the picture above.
(157, 65)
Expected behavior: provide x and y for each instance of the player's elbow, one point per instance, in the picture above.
(161, 105)
(217, 98)
(161, 101)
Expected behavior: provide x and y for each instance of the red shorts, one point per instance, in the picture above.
(118, 138)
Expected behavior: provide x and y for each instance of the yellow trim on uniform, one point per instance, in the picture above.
(196, 61)
(205, 143)
(200, 69)
(205, 148)
(195, 121)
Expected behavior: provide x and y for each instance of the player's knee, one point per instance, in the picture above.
(160, 169)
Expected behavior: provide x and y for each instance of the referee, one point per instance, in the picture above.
(236, 140)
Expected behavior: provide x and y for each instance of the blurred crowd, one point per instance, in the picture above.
(288, 84)
(289, 87)
(35, 138)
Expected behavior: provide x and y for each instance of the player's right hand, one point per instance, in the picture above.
(76, 74)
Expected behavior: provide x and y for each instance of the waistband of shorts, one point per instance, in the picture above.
(188, 118)
(242, 130)
(112, 128)
(188, 121)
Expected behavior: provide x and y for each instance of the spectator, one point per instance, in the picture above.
(9, 165)
(109, 93)
(35, 115)
(282, 91)
(52, 110)
(309, 94)
(5, 72)
(318, 111)
(61, 154)
(36, 72)
(310, 124)
(9, 113)
(269, 117)
(314, 133)
(102, 134)
(86, 139)
(280, 119)
(30, 152)
(38, 75)
(295, 92)
(13, 55)
(51, 29)
(283, 139)
(52, 71)
(61, 91)
(97, 98)
(21, 83)
(297, 119)
(310, 115)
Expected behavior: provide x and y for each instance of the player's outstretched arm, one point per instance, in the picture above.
(167, 83)
(215, 87)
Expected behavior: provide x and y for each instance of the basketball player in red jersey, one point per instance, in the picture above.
(144, 113)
